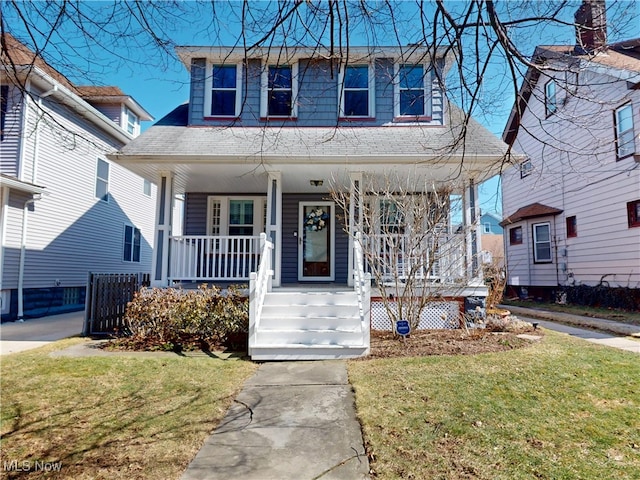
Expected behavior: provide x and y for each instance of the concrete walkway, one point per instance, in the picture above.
(36, 332)
(292, 421)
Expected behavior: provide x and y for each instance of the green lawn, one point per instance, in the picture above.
(560, 409)
(111, 418)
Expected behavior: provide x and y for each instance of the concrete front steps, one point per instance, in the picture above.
(316, 325)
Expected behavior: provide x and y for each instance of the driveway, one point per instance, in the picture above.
(33, 333)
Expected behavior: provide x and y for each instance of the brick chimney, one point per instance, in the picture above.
(591, 26)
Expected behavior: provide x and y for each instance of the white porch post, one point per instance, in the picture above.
(355, 217)
(274, 223)
(164, 214)
(470, 199)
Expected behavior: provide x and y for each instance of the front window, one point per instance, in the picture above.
(236, 216)
(392, 218)
(633, 213)
(225, 95)
(102, 180)
(542, 242)
(515, 236)
(550, 97)
(280, 91)
(412, 96)
(357, 91)
(625, 141)
(131, 251)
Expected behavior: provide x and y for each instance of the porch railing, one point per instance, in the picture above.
(362, 285)
(438, 258)
(259, 285)
(221, 258)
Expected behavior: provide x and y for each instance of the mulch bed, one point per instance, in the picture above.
(385, 344)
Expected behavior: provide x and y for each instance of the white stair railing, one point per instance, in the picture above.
(362, 285)
(259, 285)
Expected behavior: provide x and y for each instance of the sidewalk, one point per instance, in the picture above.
(570, 324)
(33, 333)
(292, 421)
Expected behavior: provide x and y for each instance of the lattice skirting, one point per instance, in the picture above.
(436, 315)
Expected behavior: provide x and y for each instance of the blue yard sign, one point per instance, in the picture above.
(402, 327)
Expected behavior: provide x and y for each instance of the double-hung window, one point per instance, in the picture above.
(224, 92)
(633, 213)
(131, 252)
(625, 141)
(131, 122)
(542, 242)
(357, 97)
(412, 96)
(102, 180)
(550, 104)
(279, 90)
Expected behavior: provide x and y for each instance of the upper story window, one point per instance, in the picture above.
(550, 104)
(542, 242)
(625, 141)
(412, 96)
(146, 187)
(279, 91)
(357, 96)
(572, 227)
(102, 180)
(132, 122)
(224, 91)
(526, 168)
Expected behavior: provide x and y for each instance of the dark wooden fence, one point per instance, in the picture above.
(107, 298)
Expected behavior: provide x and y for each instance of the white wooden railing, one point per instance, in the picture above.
(432, 258)
(362, 285)
(259, 285)
(207, 258)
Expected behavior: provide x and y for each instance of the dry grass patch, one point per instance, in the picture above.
(114, 417)
(561, 409)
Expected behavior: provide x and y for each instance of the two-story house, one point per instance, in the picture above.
(265, 138)
(65, 208)
(572, 208)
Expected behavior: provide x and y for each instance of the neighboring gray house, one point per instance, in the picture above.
(572, 208)
(65, 209)
(263, 139)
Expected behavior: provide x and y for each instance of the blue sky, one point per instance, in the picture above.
(116, 56)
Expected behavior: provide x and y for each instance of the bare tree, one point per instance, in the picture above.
(411, 243)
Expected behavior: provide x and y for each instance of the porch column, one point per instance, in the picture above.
(355, 217)
(274, 223)
(471, 212)
(164, 214)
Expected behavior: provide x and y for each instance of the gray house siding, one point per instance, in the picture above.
(318, 96)
(112, 112)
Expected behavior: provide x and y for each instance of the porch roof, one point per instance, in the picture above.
(189, 151)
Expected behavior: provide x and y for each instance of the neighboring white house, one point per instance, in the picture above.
(572, 208)
(65, 209)
(259, 146)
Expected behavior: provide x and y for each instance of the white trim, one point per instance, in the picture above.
(427, 81)
(264, 89)
(371, 89)
(274, 200)
(208, 89)
(332, 240)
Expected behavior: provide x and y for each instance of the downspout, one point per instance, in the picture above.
(23, 129)
(23, 245)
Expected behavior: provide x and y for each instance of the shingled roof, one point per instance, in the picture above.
(533, 210)
(172, 137)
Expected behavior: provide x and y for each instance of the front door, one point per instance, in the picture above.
(316, 255)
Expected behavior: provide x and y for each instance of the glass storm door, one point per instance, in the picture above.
(316, 241)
